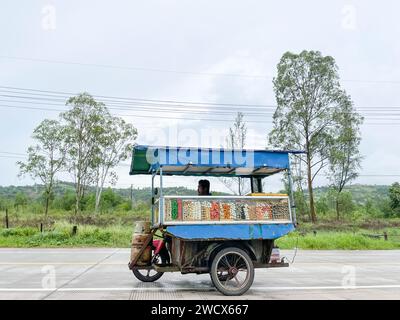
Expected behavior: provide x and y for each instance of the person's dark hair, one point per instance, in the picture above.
(205, 184)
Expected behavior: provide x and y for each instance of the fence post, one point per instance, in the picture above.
(385, 236)
(6, 218)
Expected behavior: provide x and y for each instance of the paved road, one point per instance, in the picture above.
(103, 274)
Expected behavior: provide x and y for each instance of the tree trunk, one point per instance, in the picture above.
(99, 189)
(337, 208)
(48, 195)
(97, 203)
(77, 197)
(46, 208)
(310, 191)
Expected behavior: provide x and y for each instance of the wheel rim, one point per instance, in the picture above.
(233, 271)
(149, 273)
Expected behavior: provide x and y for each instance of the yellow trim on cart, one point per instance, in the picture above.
(268, 194)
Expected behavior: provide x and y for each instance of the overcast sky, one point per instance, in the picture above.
(205, 51)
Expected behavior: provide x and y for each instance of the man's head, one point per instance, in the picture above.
(203, 188)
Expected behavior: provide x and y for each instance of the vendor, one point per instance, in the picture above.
(203, 188)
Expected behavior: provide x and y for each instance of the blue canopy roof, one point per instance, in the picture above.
(208, 161)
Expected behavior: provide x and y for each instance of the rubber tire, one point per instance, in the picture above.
(213, 272)
(164, 260)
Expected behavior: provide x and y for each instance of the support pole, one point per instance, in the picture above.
(291, 197)
(131, 196)
(161, 202)
(152, 198)
(6, 218)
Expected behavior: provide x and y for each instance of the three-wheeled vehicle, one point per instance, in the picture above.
(225, 236)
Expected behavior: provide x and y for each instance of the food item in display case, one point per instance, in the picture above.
(280, 210)
(174, 209)
(205, 210)
(259, 211)
(245, 213)
(226, 211)
(252, 211)
(187, 210)
(167, 210)
(196, 210)
(266, 209)
(214, 210)
(242, 211)
(191, 210)
(179, 209)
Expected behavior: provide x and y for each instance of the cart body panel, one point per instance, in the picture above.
(246, 231)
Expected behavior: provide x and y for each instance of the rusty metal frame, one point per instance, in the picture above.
(145, 244)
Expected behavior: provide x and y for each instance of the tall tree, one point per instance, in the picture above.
(236, 139)
(85, 125)
(115, 145)
(308, 95)
(47, 157)
(344, 154)
(394, 196)
(21, 199)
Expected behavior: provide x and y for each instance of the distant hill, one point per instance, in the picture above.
(360, 192)
(139, 194)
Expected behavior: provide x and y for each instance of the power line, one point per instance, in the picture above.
(128, 165)
(160, 70)
(124, 164)
(150, 107)
(66, 95)
(62, 97)
(190, 118)
(136, 115)
(162, 108)
(126, 100)
(23, 155)
(15, 153)
(14, 157)
(137, 68)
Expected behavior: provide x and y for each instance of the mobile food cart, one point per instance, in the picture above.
(225, 236)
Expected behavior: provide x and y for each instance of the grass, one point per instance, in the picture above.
(115, 230)
(337, 240)
(120, 236)
(61, 236)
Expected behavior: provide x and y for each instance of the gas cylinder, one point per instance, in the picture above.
(275, 255)
(139, 236)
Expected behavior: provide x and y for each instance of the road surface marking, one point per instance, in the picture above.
(60, 263)
(125, 263)
(198, 289)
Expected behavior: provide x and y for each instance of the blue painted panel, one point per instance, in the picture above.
(230, 231)
(145, 157)
(220, 158)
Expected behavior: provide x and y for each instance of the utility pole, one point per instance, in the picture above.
(6, 218)
(132, 196)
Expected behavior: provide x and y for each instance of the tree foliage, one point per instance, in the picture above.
(344, 155)
(47, 157)
(309, 100)
(85, 123)
(394, 196)
(115, 145)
